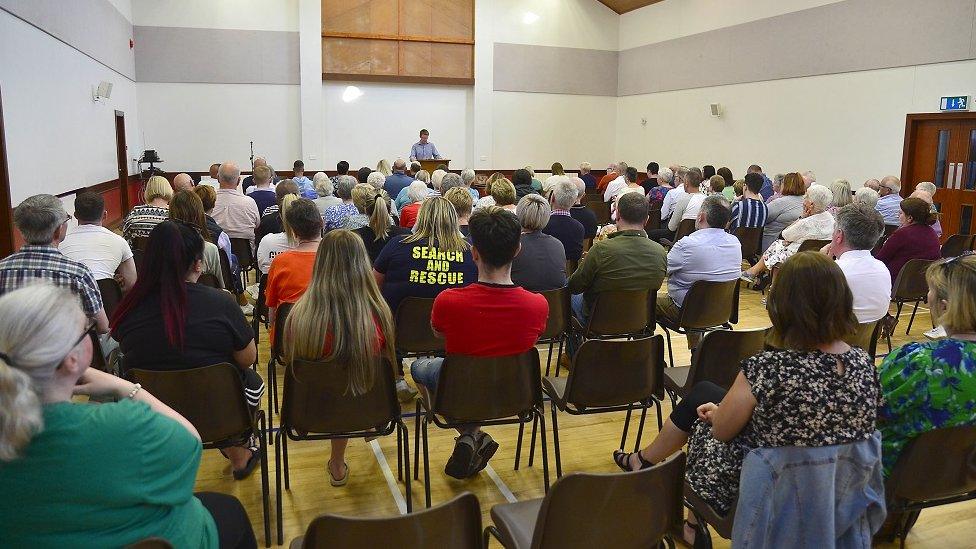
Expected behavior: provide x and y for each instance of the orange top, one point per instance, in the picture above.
(605, 180)
(288, 278)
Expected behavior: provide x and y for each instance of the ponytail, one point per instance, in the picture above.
(379, 215)
(20, 411)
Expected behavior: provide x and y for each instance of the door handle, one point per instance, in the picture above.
(951, 179)
(960, 167)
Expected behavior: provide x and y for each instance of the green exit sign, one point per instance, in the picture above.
(955, 103)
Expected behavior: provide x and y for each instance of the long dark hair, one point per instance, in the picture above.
(172, 248)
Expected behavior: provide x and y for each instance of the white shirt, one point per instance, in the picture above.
(694, 206)
(706, 254)
(620, 192)
(253, 188)
(98, 248)
(613, 187)
(272, 245)
(870, 283)
(670, 200)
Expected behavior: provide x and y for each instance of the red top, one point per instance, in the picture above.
(907, 243)
(605, 181)
(489, 319)
(408, 214)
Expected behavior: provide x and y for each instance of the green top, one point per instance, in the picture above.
(104, 475)
(926, 385)
(729, 193)
(627, 260)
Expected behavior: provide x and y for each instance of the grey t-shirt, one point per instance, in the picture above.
(541, 265)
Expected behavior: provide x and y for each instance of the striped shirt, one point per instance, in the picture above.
(142, 220)
(47, 263)
(748, 212)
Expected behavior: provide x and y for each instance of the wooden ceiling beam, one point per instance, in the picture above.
(623, 6)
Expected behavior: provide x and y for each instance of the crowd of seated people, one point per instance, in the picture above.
(477, 257)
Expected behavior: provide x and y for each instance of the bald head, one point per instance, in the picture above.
(890, 185)
(182, 182)
(873, 184)
(399, 165)
(924, 195)
(229, 174)
(260, 161)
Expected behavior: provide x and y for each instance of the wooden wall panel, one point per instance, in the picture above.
(359, 56)
(436, 60)
(438, 19)
(360, 16)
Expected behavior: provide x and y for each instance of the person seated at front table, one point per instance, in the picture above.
(422, 264)
(168, 322)
(816, 223)
(914, 239)
(541, 262)
(342, 297)
(709, 253)
(63, 464)
(509, 322)
(818, 391)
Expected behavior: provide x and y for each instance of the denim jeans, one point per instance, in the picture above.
(578, 305)
(425, 371)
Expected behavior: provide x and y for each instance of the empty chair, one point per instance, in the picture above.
(910, 286)
(717, 360)
(558, 323)
(584, 510)
(111, 295)
(957, 244)
(937, 468)
(482, 391)
(615, 314)
(454, 524)
(601, 209)
(751, 239)
(653, 216)
(414, 336)
(706, 516)
(212, 399)
(685, 228)
(609, 376)
(317, 406)
(708, 306)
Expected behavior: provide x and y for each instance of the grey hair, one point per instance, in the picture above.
(468, 176)
(436, 178)
(39, 328)
(38, 217)
(778, 180)
(451, 180)
(926, 186)
(376, 179)
(323, 185)
(344, 186)
(820, 197)
(580, 186)
(810, 175)
(564, 194)
(866, 196)
(417, 191)
(230, 173)
(861, 224)
(666, 175)
(533, 212)
(585, 167)
(717, 211)
(422, 175)
(841, 189)
(891, 182)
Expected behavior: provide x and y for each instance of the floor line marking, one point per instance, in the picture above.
(390, 479)
(502, 487)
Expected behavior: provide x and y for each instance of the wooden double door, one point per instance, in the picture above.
(941, 148)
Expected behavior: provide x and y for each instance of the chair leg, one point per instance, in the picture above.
(269, 394)
(416, 443)
(640, 427)
(555, 440)
(406, 464)
(623, 437)
(667, 334)
(284, 459)
(532, 443)
(281, 533)
(426, 466)
(912, 319)
(399, 436)
(660, 418)
(545, 453)
(265, 488)
(898, 310)
(518, 446)
(549, 359)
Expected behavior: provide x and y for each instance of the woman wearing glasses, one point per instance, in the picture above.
(85, 475)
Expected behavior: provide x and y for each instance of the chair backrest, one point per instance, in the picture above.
(474, 388)
(709, 303)
(261, 307)
(910, 283)
(241, 247)
(316, 399)
(935, 465)
(571, 266)
(720, 354)
(207, 279)
(957, 244)
(111, 294)
(210, 397)
(616, 372)
(281, 316)
(413, 331)
(866, 337)
(559, 313)
(685, 228)
(751, 239)
(585, 510)
(454, 524)
(600, 208)
(225, 271)
(620, 312)
(653, 216)
(140, 243)
(812, 245)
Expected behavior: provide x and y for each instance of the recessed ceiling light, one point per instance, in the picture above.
(351, 94)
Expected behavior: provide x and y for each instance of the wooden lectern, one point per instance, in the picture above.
(430, 165)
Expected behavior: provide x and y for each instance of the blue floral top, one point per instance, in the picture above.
(926, 385)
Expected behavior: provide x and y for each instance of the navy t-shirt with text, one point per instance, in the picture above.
(415, 269)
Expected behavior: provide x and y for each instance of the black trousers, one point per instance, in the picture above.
(658, 234)
(686, 412)
(233, 526)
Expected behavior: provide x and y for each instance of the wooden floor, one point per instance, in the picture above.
(586, 445)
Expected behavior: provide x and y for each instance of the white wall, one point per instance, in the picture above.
(50, 120)
(848, 126)
(276, 15)
(195, 125)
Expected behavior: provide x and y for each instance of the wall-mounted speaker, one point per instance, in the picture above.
(715, 109)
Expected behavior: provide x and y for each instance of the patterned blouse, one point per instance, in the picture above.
(926, 385)
(142, 220)
(335, 216)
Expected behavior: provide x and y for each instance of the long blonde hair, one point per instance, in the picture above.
(39, 327)
(342, 301)
(437, 221)
(286, 202)
(371, 202)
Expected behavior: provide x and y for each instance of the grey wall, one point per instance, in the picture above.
(93, 27)
(546, 69)
(177, 54)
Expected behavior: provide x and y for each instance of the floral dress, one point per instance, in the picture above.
(815, 227)
(926, 385)
(801, 401)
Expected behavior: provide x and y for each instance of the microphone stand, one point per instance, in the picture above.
(252, 156)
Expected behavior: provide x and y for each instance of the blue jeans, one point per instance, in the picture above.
(425, 371)
(578, 306)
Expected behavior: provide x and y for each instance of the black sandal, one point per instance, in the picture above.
(252, 462)
(622, 459)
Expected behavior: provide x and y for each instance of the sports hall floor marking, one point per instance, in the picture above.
(390, 479)
(502, 487)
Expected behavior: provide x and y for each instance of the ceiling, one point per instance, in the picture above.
(623, 6)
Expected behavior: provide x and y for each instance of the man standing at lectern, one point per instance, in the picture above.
(422, 150)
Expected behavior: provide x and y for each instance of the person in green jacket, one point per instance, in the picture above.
(92, 475)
